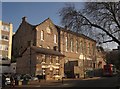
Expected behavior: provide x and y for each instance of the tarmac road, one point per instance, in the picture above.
(96, 82)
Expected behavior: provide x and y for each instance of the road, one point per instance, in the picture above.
(110, 82)
(95, 82)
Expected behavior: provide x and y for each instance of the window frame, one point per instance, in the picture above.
(55, 38)
(42, 35)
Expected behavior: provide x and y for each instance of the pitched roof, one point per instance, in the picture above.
(63, 29)
(43, 21)
(46, 51)
(74, 33)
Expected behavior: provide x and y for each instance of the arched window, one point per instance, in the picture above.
(77, 46)
(42, 35)
(55, 38)
(72, 45)
(66, 43)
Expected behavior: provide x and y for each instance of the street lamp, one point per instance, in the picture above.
(82, 57)
(84, 66)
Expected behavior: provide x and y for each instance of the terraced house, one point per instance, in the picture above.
(52, 51)
(6, 31)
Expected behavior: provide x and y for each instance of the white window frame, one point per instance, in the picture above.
(55, 38)
(5, 28)
(5, 47)
(88, 48)
(4, 37)
(76, 46)
(42, 35)
(71, 44)
(66, 43)
(48, 30)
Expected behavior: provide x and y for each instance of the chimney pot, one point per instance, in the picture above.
(66, 27)
(24, 18)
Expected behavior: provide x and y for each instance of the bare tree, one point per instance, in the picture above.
(98, 19)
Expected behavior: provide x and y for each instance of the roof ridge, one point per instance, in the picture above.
(80, 34)
(44, 21)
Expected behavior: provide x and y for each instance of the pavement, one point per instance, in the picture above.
(45, 83)
(52, 83)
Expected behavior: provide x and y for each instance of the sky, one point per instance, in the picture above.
(36, 12)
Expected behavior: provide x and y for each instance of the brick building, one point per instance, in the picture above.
(53, 51)
(101, 57)
(79, 51)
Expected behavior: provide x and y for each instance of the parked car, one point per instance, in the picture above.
(27, 77)
(7, 81)
(34, 78)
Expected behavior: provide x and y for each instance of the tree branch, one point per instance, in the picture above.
(114, 39)
(115, 31)
(107, 41)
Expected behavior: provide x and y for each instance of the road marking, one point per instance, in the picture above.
(65, 84)
(38, 86)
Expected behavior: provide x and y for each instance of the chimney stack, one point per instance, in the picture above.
(24, 18)
(66, 27)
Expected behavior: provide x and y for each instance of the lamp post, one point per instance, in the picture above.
(84, 67)
(82, 58)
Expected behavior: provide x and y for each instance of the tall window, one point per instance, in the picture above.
(43, 58)
(85, 47)
(4, 47)
(55, 38)
(66, 43)
(5, 28)
(88, 48)
(76, 46)
(57, 59)
(72, 45)
(93, 49)
(81, 46)
(42, 35)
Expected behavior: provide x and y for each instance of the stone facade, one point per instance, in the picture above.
(53, 51)
(6, 31)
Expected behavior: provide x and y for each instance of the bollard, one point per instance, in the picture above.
(62, 80)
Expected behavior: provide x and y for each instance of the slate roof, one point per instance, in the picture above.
(46, 51)
(74, 33)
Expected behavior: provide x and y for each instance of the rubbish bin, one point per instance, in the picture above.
(20, 82)
(24, 82)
